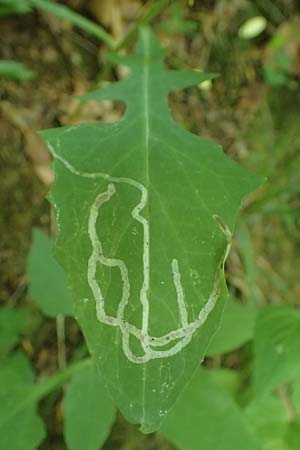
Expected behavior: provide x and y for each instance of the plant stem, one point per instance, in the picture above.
(61, 343)
(154, 10)
(283, 394)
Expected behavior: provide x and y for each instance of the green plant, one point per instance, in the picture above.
(166, 201)
(119, 187)
(18, 71)
(15, 70)
(8, 7)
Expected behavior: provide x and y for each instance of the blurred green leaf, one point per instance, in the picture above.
(20, 427)
(275, 76)
(281, 66)
(206, 417)
(15, 70)
(12, 323)
(292, 436)
(236, 328)
(278, 70)
(228, 379)
(176, 22)
(47, 280)
(14, 7)
(269, 419)
(88, 411)
(276, 346)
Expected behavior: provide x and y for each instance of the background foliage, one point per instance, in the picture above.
(250, 379)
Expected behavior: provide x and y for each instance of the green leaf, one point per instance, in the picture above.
(275, 76)
(276, 345)
(88, 412)
(268, 418)
(144, 212)
(47, 281)
(206, 417)
(14, 7)
(229, 379)
(236, 328)
(15, 70)
(12, 323)
(176, 23)
(292, 436)
(20, 427)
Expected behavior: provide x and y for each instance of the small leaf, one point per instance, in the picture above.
(47, 281)
(20, 427)
(206, 417)
(236, 328)
(276, 345)
(15, 70)
(176, 23)
(145, 211)
(275, 76)
(253, 27)
(88, 411)
(12, 323)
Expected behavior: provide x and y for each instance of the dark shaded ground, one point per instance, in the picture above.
(257, 125)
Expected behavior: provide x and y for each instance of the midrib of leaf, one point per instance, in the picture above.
(146, 252)
(146, 257)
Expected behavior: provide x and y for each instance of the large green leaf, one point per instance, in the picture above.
(47, 281)
(206, 417)
(277, 343)
(144, 210)
(88, 412)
